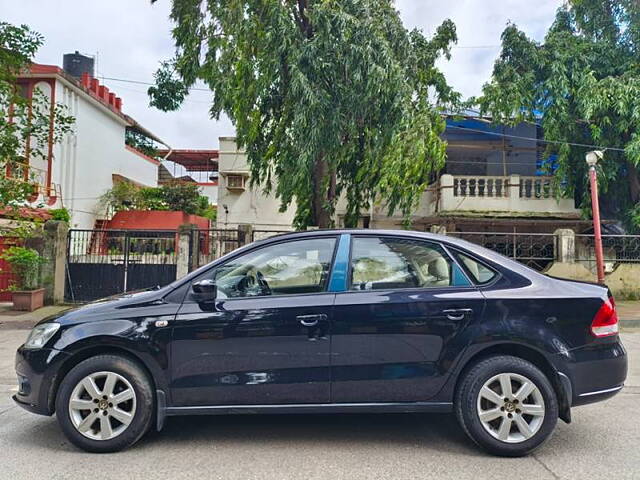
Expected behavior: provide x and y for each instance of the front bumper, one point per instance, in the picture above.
(37, 371)
(596, 371)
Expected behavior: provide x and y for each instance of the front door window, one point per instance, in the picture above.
(288, 268)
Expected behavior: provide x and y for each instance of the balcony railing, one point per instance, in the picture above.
(499, 187)
(470, 186)
(37, 178)
(537, 187)
(515, 193)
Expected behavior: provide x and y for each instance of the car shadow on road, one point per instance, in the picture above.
(436, 432)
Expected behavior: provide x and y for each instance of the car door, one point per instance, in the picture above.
(397, 329)
(265, 338)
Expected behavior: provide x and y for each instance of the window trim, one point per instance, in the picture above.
(471, 286)
(325, 291)
(498, 275)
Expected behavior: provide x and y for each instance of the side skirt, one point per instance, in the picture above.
(435, 407)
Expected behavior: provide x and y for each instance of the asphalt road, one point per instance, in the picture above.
(603, 442)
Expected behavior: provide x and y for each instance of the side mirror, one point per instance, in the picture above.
(204, 290)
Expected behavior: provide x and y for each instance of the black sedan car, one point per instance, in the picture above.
(333, 321)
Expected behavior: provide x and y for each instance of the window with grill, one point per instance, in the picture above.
(235, 182)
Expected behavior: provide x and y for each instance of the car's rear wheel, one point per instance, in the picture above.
(105, 403)
(506, 405)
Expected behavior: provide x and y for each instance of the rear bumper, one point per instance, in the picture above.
(37, 371)
(597, 371)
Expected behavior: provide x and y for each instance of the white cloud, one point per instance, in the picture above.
(479, 23)
(130, 37)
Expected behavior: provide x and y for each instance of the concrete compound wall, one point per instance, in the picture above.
(624, 280)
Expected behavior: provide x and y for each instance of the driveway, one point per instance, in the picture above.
(602, 443)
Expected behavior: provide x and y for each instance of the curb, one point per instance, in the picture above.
(18, 324)
(630, 323)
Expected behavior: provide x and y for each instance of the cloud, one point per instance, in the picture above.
(130, 37)
(479, 23)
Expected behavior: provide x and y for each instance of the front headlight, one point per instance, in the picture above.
(41, 334)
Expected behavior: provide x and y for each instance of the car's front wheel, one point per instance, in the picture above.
(506, 405)
(105, 403)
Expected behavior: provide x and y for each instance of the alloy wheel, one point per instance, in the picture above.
(510, 407)
(102, 405)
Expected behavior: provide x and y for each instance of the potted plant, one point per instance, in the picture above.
(27, 291)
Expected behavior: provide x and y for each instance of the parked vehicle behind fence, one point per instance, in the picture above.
(333, 321)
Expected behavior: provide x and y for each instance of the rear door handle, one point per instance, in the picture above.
(457, 313)
(311, 320)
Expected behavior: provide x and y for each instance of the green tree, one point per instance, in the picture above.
(21, 119)
(183, 196)
(329, 97)
(583, 84)
(176, 195)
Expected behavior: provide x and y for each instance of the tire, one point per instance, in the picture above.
(527, 427)
(101, 423)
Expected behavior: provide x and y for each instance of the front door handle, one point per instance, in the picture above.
(311, 320)
(457, 313)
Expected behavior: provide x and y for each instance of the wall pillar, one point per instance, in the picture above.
(565, 245)
(439, 229)
(514, 192)
(447, 200)
(183, 261)
(54, 251)
(245, 234)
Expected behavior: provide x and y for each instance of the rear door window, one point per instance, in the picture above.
(379, 263)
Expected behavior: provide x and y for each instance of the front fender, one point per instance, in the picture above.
(141, 340)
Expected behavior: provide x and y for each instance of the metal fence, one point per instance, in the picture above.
(106, 262)
(536, 250)
(214, 243)
(616, 248)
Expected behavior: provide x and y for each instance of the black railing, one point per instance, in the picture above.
(214, 243)
(107, 262)
(616, 249)
(536, 250)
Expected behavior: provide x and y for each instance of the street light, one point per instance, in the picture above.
(592, 160)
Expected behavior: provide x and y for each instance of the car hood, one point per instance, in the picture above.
(100, 309)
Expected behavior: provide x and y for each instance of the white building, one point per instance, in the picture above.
(238, 203)
(519, 198)
(80, 169)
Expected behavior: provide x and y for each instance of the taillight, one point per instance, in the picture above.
(605, 323)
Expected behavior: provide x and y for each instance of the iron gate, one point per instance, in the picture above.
(101, 263)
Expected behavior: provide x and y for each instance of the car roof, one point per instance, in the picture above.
(475, 249)
(497, 261)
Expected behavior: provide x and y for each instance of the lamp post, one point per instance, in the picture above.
(592, 160)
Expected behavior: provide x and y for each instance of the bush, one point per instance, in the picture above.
(177, 195)
(25, 265)
(123, 196)
(60, 214)
(182, 196)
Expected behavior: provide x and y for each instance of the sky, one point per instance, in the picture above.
(130, 37)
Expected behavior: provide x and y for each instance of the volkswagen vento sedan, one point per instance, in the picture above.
(333, 321)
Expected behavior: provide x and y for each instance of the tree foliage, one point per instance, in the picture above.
(330, 98)
(583, 84)
(22, 122)
(140, 142)
(177, 196)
